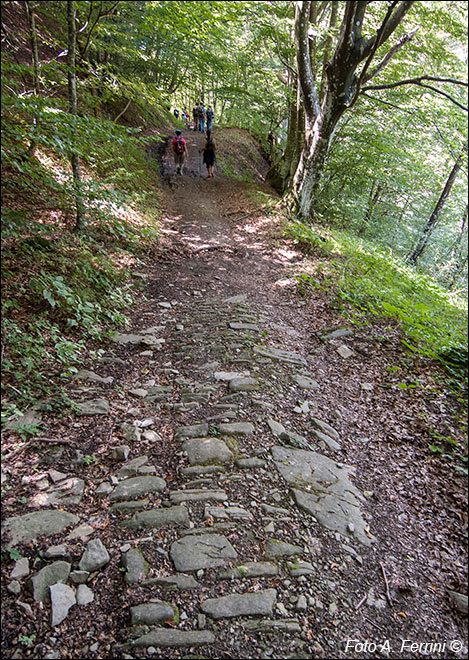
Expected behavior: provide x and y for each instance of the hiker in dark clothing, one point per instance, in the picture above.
(195, 116)
(209, 116)
(208, 151)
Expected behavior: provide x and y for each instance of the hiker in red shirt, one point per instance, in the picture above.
(179, 150)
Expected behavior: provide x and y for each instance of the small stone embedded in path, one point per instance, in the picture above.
(95, 556)
(69, 491)
(62, 599)
(344, 351)
(305, 382)
(250, 569)
(136, 566)
(85, 595)
(51, 574)
(94, 407)
(279, 354)
(151, 613)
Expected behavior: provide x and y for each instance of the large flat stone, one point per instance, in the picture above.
(323, 488)
(259, 603)
(279, 354)
(192, 553)
(236, 428)
(191, 431)
(197, 495)
(201, 451)
(244, 384)
(151, 613)
(136, 487)
(167, 638)
(31, 525)
(156, 518)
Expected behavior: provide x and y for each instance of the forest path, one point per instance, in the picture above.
(247, 497)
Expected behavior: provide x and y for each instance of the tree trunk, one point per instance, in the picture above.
(456, 250)
(73, 101)
(281, 173)
(30, 7)
(373, 199)
(339, 93)
(434, 219)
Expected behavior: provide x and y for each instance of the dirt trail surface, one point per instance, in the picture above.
(243, 478)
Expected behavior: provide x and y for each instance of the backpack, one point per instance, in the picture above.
(209, 146)
(179, 146)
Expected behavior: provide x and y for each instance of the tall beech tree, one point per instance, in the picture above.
(73, 109)
(341, 87)
(436, 213)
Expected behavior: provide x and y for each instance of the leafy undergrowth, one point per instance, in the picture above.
(239, 155)
(366, 283)
(65, 292)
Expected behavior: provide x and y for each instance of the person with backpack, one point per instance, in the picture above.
(201, 118)
(179, 150)
(209, 115)
(208, 151)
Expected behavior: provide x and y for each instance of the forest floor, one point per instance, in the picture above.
(216, 436)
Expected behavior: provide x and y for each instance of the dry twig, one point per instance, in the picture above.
(388, 595)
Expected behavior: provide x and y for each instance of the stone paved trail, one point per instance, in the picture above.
(226, 523)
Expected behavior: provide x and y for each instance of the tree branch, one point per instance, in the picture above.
(101, 14)
(308, 85)
(386, 29)
(377, 43)
(418, 81)
(389, 55)
(123, 111)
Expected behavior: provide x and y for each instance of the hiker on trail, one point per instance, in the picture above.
(179, 150)
(195, 116)
(185, 117)
(209, 116)
(201, 118)
(176, 113)
(208, 151)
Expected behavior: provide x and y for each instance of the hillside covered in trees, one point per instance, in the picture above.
(270, 363)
